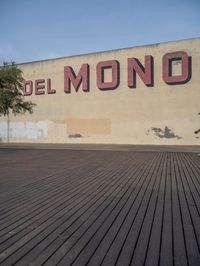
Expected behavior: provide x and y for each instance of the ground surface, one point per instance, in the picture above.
(89, 207)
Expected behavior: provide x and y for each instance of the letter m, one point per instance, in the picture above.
(70, 78)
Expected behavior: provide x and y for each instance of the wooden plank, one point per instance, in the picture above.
(180, 252)
(123, 247)
(153, 246)
(140, 252)
(99, 207)
(55, 240)
(96, 254)
(193, 256)
(50, 220)
(104, 221)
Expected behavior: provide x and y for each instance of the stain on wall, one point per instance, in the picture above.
(75, 135)
(165, 133)
(197, 131)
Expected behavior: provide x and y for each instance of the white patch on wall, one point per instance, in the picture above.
(29, 130)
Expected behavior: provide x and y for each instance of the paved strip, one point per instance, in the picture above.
(88, 207)
(101, 147)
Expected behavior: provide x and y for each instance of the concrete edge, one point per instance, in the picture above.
(104, 147)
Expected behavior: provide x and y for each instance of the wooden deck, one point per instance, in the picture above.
(79, 207)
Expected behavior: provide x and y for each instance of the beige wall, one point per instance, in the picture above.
(123, 115)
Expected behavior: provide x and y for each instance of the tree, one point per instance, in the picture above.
(11, 93)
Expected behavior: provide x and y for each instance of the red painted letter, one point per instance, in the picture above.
(145, 73)
(70, 77)
(28, 87)
(49, 89)
(185, 68)
(101, 84)
(39, 86)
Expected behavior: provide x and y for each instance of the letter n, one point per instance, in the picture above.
(70, 78)
(144, 72)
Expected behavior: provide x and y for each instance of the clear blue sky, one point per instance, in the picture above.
(41, 29)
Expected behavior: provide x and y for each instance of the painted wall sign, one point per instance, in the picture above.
(135, 70)
(38, 87)
(144, 95)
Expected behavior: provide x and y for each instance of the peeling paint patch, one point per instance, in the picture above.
(30, 130)
(165, 133)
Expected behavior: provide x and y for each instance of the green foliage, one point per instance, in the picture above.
(11, 91)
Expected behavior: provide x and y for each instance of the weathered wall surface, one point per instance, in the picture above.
(159, 114)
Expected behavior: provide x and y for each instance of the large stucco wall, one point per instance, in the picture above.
(162, 114)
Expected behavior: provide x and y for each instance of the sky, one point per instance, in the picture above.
(34, 30)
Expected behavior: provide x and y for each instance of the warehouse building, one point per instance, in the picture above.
(142, 95)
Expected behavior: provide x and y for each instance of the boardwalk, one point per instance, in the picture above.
(79, 207)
